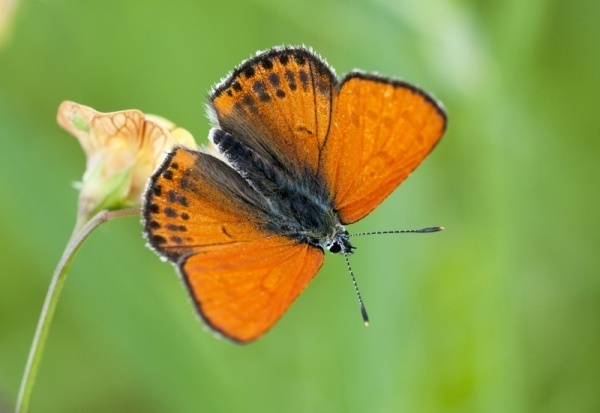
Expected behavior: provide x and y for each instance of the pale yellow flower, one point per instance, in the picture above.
(123, 149)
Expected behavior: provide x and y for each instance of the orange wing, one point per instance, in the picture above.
(242, 289)
(279, 104)
(381, 131)
(204, 217)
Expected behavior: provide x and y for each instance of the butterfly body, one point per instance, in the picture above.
(296, 155)
(297, 201)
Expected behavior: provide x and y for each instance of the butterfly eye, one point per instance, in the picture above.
(335, 247)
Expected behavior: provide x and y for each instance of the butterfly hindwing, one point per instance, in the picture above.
(241, 290)
(381, 131)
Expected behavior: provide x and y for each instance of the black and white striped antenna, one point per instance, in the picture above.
(401, 231)
(363, 310)
(361, 303)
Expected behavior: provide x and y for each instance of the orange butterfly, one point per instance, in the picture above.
(297, 155)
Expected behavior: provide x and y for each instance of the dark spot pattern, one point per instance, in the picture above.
(229, 93)
(249, 72)
(300, 59)
(291, 80)
(168, 175)
(157, 190)
(170, 212)
(304, 129)
(158, 239)
(176, 239)
(236, 86)
(185, 216)
(267, 64)
(186, 183)
(174, 165)
(261, 89)
(173, 196)
(323, 87)
(274, 79)
(303, 79)
(248, 101)
(284, 59)
(154, 208)
(225, 231)
(280, 93)
(323, 70)
(154, 225)
(175, 228)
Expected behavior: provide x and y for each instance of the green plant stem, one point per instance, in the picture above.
(58, 279)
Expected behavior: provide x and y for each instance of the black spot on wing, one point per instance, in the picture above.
(301, 128)
(274, 79)
(267, 64)
(249, 72)
(224, 231)
(174, 197)
(303, 79)
(170, 212)
(260, 89)
(176, 227)
(158, 239)
(300, 58)
(284, 59)
(323, 87)
(248, 100)
(291, 80)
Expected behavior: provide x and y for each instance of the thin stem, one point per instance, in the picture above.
(60, 274)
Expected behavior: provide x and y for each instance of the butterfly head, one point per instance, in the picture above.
(339, 242)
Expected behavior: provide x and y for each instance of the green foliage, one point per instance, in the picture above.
(499, 313)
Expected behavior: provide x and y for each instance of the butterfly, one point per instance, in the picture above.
(296, 154)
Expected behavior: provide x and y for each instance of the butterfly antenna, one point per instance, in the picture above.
(363, 310)
(401, 231)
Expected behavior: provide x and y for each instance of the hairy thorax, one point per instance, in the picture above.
(297, 201)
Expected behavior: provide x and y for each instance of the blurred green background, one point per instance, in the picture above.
(499, 313)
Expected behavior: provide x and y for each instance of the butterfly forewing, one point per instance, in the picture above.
(203, 216)
(196, 200)
(381, 131)
(279, 104)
